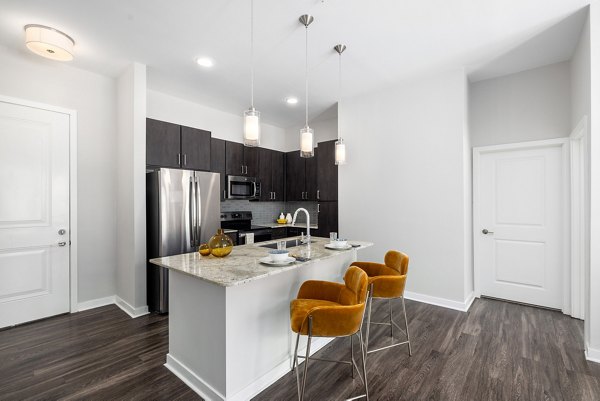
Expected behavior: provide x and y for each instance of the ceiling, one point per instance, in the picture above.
(388, 41)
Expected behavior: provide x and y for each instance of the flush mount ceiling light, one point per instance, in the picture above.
(205, 62)
(291, 100)
(340, 146)
(251, 116)
(49, 42)
(307, 135)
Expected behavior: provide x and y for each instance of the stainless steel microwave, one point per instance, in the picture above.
(239, 187)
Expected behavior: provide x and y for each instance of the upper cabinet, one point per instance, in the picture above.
(270, 174)
(217, 162)
(241, 160)
(171, 145)
(195, 149)
(327, 178)
(300, 177)
(163, 143)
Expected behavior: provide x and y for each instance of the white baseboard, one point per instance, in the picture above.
(207, 392)
(95, 303)
(130, 310)
(592, 354)
(443, 302)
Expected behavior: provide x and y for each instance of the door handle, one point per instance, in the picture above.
(62, 231)
(179, 159)
(198, 211)
(63, 243)
(242, 169)
(486, 231)
(185, 159)
(318, 197)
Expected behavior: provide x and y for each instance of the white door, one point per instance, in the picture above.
(34, 209)
(519, 232)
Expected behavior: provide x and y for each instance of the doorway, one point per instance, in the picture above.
(36, 208)
(520, 222)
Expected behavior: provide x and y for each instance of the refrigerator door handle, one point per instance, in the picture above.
(198, 211)
(191, 213)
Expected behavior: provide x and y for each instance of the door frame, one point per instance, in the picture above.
(72, 186)
(563, 143)
(578, 151)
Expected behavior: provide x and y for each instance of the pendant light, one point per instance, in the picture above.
(340, 146)
(307, 135)
(251, 116)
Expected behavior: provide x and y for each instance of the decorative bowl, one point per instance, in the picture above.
(340, 243)
(279, 255)
(281, 221)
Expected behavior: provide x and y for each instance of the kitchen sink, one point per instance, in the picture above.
(288, 244)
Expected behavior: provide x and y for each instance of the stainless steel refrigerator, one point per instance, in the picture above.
(183, 211)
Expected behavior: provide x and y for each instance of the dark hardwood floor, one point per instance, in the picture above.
(99, 354)
(497, 351)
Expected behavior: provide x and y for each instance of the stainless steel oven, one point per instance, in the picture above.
(239, 187)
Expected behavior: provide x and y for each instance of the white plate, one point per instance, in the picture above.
(338, 248)
(267, 261)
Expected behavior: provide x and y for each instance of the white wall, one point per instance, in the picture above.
(404, 185)
(222, 125)
(593, 318)
(580, 108)
(93, 96)
(131, 195)
(526, 106)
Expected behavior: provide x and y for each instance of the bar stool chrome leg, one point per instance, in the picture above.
(295, 361)
(307, 358)
(406, 325)
(391, 320)
(352, 355)
(370, 301)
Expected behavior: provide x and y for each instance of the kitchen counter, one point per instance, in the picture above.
(242, 265)
(297, 225)
(229, 318)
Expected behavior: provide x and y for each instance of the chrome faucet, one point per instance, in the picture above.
(307, 222)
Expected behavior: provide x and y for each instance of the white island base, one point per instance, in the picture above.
(231, 342)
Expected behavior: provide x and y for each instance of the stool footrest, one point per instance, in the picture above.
(389, 346)
(312, 358)
(357, 397)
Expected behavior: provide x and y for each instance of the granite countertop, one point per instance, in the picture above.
(242, 265)
(277, 225)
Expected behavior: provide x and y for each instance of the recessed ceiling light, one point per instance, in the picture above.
(205, 62)
(49, 42)
(291, 100)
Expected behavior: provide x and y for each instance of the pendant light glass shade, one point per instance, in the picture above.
(251, 116)
(251, 127)
(340, 152)
(307, 142)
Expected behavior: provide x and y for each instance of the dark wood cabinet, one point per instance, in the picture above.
(241, 160)
(271, 174)
(217, 162)
(195, 149)
(163, 144)
(234, 158)
(278, 175)
(171, 145)
(328, 219)
(281, 232)
(327, 178)
(300, 177)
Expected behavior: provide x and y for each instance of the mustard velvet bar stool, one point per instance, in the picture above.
(387, 281)
(327, 309)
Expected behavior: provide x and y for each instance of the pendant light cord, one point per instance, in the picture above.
(306, 77)
(252, 53)
(339, 94)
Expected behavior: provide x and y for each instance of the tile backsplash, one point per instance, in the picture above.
(268, 212)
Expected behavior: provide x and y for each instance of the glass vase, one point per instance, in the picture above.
(220, 244)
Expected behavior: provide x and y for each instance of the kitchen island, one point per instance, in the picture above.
(229, 327)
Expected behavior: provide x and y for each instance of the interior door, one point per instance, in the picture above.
(519, 233)
(34, 213)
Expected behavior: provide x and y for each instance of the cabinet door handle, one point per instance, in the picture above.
(185, 159)
(246, 169)
(274, 195)
(224, 194)
(318, 208)
(242, 169)
(179, 159)
(318, 197)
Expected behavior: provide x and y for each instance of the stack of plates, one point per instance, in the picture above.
(269, 262)
(333, 246)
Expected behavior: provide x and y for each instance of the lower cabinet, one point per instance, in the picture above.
(280, 233)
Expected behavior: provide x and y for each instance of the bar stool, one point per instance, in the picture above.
(387, 281)
(326, 309)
